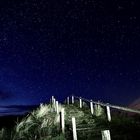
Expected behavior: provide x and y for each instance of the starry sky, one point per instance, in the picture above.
(88, 48)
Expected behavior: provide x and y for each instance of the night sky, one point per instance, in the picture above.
(89, 48)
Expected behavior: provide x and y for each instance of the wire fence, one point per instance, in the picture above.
(110, 105)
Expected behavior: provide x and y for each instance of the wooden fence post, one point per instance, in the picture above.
(91, 107)
(72, 99)
(57, 111)
(108, 113)
(80, 100)
(106, 135)
(52, 100)
(54, 104)
(59, 107)
(74, 128)
(62, 117)
(68, 100)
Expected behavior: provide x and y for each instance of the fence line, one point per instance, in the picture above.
(110, 105)
(105, 133)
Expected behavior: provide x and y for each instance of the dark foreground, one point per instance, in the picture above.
(10, 121)
(10, 115)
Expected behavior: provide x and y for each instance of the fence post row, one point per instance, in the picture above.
(106, 135)
(108, 113)
(74, 128)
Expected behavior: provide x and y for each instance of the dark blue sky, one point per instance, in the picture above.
(89, 48)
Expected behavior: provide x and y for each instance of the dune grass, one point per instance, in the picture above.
(40, 124)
